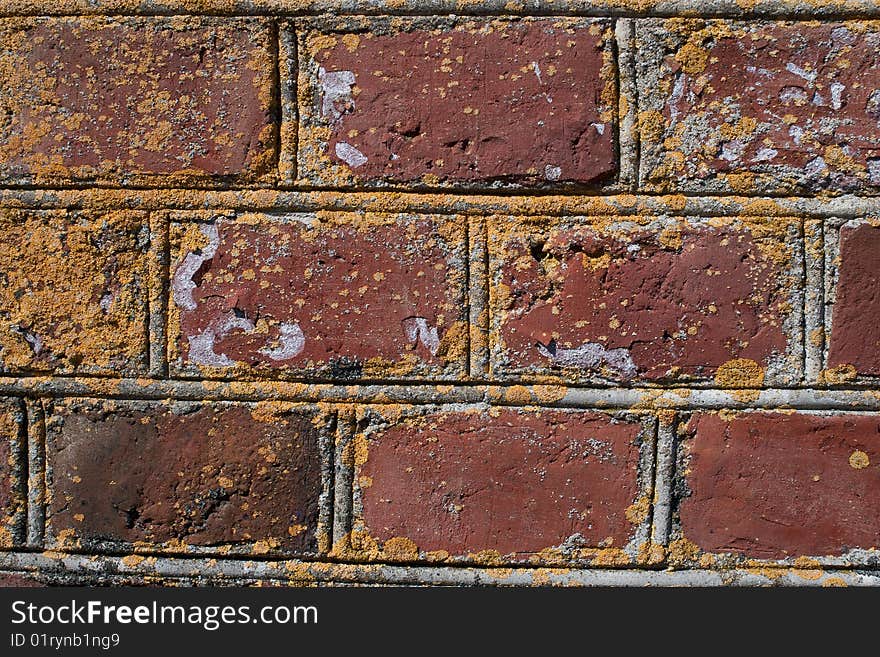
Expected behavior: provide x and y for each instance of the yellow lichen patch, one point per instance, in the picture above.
(518, 395)
(651, 554)
(858, 460)
(692, 58)
(547, 394)
(834, 581)
(611, 557)
(838, 375)
(682, 552)
(651, 125)
(638, 512)
(739, 373)
(132, 560)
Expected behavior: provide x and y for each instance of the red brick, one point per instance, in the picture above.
(774, 485)
(493, 101)
(855, 329)
(19, 580)
(757, 106)
(213, 474)
(12, 502)
(677, 299)
(334, 295)
(136, 100)
(511, 481)
(74, 291)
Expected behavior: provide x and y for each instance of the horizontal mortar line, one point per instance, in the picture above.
(614, 204)
(92, 566)
(422, 393)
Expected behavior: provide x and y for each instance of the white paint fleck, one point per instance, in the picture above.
(201, 346)
(182, 284)
(633, 249)
(417, 329)
(795, 95)
(760, 71)
(592, 356)
(796, 133)
(872, 107)
(537, 70)
(677, 93)
(765, 154)
(106, 301)
(336, 87)
(291, 342)
(837, 90)
(350, 155)
(599, 127)
(819, 100)
(809, 76)
(731, 150)
(34, 341)
(552, 173)
(815, 167)
(874, 171)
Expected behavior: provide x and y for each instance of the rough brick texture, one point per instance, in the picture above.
(771, 486)
(761, 106)
(508, 482)
(334, 296)
(407, 292)
(133, 100)
(494, 101)
(186, 474)
(674, 300)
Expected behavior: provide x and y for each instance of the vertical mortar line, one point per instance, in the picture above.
(287, 66)
(326, 511)
(37, 486)
(478, 286)
(650, 461)
(830, 269)
(157, 296)
(814, 299)
(343, 477)
(469, 300)
(664, 473)
(20, 458)
(627, 104)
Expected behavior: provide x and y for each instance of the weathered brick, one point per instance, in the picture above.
(328, 295)
(441, 102)
(19, 580)
(136, 100)
(512, 484)
(74, 291)
(172, 475)
(760, 107)
(645, 299)
(855, 327)
(12, 486)
(780, 485)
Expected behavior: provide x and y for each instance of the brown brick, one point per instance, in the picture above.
(470, 483)
(19, 580)
(185, 474)
(327, 295)
(855, 329)
(752, 107)
(445, 103)
(12, 469)
(614, 299)
(774, 485)
(74, 291)
(136, 100)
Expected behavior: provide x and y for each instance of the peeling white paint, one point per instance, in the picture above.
(201, 346)
(350, 155)
(765, 154)
(731, 150)
(795, 95)
(809, 76)
(874, 171)
(591, 356)
(552, 173)
(34, 341)
(291, 342)
(537, 70)
(796, 133)
(837, 90)
(599, 127)
(677, 93)
(336, 86)
(815, 167)
(106, 301)
(417, 329)
(182, 284)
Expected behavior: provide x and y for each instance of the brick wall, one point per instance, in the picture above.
(434, 292)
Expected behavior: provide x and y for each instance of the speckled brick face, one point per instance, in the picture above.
(12, 503)
(185, 474)
(74, 291)
(673, 300)
(509, 102)
(773, 485)
(510, 481)
(855, 329)
(339, 295)
(134, 100)
(750, 107)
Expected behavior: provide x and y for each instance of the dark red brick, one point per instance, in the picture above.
(774, 485)
(511, 101)
(19, 580)
(855, 329)
(761, 106)
(12, 503)
(136, 100)
(213, 474)
(74, 293)
(511, 481)
(333, 295)
(669, 300)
